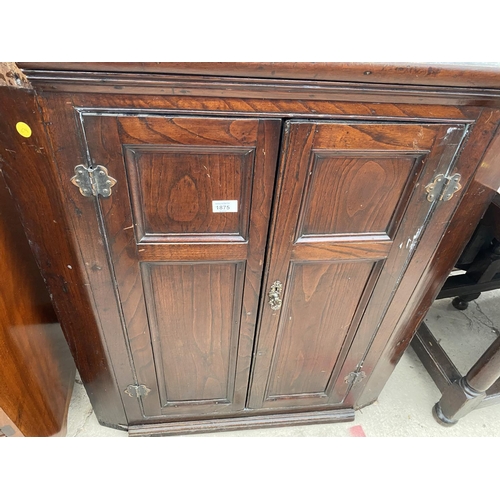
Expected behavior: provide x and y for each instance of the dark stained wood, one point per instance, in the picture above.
(337, 248)
(107, 137)
(177, 186)
(460, 395)
(318, 295)
(37, 371)
(243, 422)
(32, 178)
(452, 74)
(281, 346)
(480, 387)
(467, 394)
(405, 133)
(368, 189)
(441, 252)
(194, 320)
(440, 367)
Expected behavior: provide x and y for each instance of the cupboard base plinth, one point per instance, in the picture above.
(239, 423)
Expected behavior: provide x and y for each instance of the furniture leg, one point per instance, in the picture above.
(462, 301)
(467, 393)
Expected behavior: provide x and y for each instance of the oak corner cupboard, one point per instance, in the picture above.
(241, 245)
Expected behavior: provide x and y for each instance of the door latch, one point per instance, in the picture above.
(93, 181)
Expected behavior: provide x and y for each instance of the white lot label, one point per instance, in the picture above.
(224, 205)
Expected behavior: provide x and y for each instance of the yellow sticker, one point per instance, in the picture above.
(23, 129)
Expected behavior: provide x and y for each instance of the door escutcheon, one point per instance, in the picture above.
(275, 295)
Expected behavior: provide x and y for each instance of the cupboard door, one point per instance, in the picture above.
(186, 228)
(350, 212)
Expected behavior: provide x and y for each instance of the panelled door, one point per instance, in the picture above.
(351, 208)
(186, 227)
(187, 230)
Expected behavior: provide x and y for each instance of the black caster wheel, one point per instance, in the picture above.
(460, 304)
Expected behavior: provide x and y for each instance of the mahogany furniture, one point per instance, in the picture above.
(238, 245)
(36, 368)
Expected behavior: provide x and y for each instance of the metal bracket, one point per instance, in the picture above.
(444, 187)
(137, 391)
(93, 181)
(354, 377)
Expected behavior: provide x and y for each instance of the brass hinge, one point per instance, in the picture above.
(137, 391)
(443, 187)
(93, 181)
(354, 377)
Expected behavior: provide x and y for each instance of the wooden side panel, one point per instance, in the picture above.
(367, 188)
(173, 189)
(193, 312)
(36, 368)
(321, 301)
(35, 183)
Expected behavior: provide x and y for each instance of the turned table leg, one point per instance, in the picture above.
(465, 394)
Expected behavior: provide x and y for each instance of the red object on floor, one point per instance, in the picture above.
(357, 432)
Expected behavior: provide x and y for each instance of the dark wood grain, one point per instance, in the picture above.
(426, 274)
(242, 422)
(321, 300)
(176, 186)
(107, 137)
(452, 74)
(223, 86)
(302, 142)
(194, 319)
(420, 113)
(33, 180)
(305, 107)
(368, 190)
(36, 371)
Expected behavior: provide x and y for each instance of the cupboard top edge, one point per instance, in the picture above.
(449, 74)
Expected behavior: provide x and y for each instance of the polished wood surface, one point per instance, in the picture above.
(449, 74)
(289, 368)
(177, 201)
(242, 422)
(195, 329)
(146, 126)
(210, 339)
(36, 369)
(34, 182)
(441, 251)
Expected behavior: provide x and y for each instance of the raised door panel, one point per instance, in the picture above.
(322, 299)
(367, 188)
(186, 227)
(177, 186)
(193, 310)
(351, 209)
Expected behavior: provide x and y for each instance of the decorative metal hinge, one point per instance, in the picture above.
(354, 377)
(137, 391)
(93, 181)
(444, 187)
